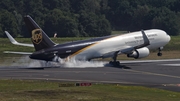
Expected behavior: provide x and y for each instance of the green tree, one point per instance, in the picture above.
(89, 17)
(59, 21)
(93, 25)
(167, 20)
(8, 23)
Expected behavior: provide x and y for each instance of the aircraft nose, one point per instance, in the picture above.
(168, 38)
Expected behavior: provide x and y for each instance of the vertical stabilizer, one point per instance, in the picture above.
(38, 37)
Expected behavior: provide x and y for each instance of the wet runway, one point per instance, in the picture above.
(163, 74)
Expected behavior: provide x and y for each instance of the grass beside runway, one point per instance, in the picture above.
(30, 90)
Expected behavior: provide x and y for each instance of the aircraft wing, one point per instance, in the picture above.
(126, 49)
(13, 41)
(22, 53)
(146, 41)
(129, 49)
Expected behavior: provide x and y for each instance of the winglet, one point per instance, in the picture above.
(13, 41)
(146, 40)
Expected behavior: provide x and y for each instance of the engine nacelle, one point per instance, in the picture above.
(139, 53)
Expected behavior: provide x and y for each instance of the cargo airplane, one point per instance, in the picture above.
(134, 44)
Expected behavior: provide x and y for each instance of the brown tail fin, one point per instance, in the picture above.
(38, 36)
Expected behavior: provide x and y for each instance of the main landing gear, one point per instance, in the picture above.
(114, 62)
(159, 53)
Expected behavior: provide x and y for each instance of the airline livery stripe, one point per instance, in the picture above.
(90, 46)
(82, 50)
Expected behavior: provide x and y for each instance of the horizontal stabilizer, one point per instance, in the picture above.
(13, 41)
(22, 53)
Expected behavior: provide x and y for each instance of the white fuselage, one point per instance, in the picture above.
(107, 47)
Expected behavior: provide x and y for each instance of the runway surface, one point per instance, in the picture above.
(164, 74)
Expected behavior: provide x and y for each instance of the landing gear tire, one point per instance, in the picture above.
(159, 54)
(114, 63)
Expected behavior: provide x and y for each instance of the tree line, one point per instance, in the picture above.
(94, 18)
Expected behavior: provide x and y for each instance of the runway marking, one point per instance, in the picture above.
(153, 73)
(95, 72)
(170, 64)
(175, 85)
(143, 61)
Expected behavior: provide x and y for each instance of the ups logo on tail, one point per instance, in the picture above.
(36, 36)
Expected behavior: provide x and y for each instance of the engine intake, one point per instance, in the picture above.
(139, 53)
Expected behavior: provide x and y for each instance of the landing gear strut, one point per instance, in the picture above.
(114, 62)
(159, 53)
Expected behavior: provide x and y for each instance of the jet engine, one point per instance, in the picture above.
(139, 53)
